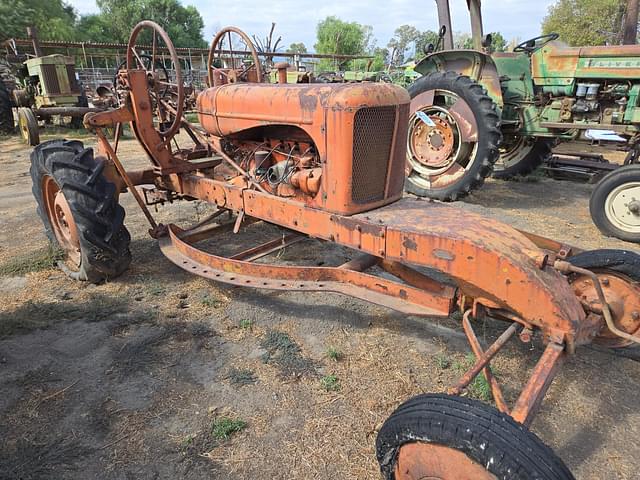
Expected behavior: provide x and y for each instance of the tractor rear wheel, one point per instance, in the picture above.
(80, 211)
(615, 204)
(28, 126)
(453, 136)
(6, 110)
(445, 437)
(520, 155)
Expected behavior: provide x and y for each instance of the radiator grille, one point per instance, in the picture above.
(73, 82)
(372, 137)
(50, 79)
(396, 182)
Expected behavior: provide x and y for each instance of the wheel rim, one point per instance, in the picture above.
(513, 150)
(234, 72)
(429, 461)
(61, 219)
(623, 297)
(24, 127)
(622, 207)
(442, 139)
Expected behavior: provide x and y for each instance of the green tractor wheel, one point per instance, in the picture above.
(28, 126)
(6, 110)
(520, 155)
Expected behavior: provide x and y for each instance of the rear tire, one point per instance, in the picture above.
(6, 111)
(28, 126)
(442, 163)
(521, 158)
(490, 439)
(99, 245)
(615, 204)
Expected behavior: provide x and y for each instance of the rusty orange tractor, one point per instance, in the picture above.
(325, 161)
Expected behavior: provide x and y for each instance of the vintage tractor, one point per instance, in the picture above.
(474, 113)
(325, 161)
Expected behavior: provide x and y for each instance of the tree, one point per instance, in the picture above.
(184, 25)
(403, 38)
(336, 37)
(54, 19)
(498, 42)
(297, 48)
(586, 22)
(425, 38)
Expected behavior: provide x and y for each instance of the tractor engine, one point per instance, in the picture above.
(337, 147)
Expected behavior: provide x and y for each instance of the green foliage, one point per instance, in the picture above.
(330, 383)
(54, 19)
(183, 24)
(334, 36)
(223, 427)
(297, 48)
(498, 42)
(424, 39)
(246, 324)
(32, 262)
(586, 22)
(334, 354)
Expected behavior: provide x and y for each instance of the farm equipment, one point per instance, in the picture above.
(325, 161)
(474, 113)
(41, 88)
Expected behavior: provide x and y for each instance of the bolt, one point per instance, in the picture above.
(525, 335)
(635, 315)
(605, 282)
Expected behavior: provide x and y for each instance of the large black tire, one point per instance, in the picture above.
(104, 240)
(522, 158)
(488, 437)
(489, 136)
(6, 111)
(609, 212)
(28, 126)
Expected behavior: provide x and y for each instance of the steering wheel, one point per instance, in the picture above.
(163, 75)
(234, 68)
(167, 98)
(535, 43)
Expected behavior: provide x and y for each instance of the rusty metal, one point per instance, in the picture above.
(540, 380)
(498, 397)
(604, 307)
(426, 461)
(231, 74)
(483, 360)
(61, 219)
(325, 161)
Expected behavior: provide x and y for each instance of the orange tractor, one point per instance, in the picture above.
(326, 161)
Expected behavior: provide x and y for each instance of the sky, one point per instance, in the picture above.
(296, 20)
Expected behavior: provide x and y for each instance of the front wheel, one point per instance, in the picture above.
(615, 204)
(453, 136)
(445, 437)
(80, 212)
(28, 126)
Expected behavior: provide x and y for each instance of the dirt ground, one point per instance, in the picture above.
(137, 378)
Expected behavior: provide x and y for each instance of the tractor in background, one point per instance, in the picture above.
(41, 88)
(474, 114)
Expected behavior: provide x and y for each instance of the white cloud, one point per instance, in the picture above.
(296, 20)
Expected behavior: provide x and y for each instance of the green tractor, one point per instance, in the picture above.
(474, 114)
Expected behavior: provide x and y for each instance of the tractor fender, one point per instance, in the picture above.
(477, 65)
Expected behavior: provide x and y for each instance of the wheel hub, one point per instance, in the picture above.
(622, 207)
(433, 145)
(623, 298)
(61, 220)
(427, 461)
